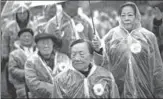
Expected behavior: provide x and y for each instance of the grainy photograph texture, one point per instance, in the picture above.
(81, 49)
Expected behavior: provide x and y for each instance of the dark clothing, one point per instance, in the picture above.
(49, 61)
(156, 25)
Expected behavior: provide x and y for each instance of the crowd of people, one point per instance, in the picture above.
(63, 53)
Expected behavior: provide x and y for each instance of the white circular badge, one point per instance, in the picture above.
(79, 27)
(63, 33)
(98, 89)
(62, 67)
(135, 48)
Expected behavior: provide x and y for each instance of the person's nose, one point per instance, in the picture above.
(126, 18)
(77, 57)
(46, 45)
(27, 37)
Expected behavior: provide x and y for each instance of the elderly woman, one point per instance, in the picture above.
(41, 67)
(132, 52)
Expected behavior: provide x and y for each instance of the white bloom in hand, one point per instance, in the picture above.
(79, 27)
(62, 66)
(135, 48)
(98, 89)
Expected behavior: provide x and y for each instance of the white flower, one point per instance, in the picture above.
(62, 66)
(79, 27)
(98, 89)
(135, 48)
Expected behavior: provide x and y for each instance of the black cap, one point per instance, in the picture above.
(25, 30)
(40, 36)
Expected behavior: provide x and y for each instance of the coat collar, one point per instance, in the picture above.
(92, 70)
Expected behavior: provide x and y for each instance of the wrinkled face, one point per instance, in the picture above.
(81, 57)
(45, 46)
(128, 17)
(22, 15)
(26, 39)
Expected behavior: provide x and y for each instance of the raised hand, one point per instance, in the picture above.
(96, 43)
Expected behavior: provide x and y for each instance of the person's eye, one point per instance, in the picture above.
(122, 15)
(73, 54)
(81, 53)
(130, 15)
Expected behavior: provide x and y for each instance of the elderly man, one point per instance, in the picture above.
(17, 61)
(42, 66)
(84, 79)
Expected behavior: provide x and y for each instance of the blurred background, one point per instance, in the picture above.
(105, 16)
(104, 12)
